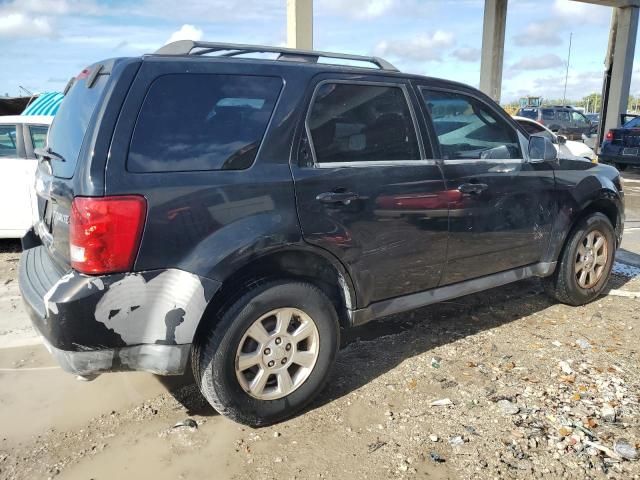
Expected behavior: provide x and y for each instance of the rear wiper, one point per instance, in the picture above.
(48, 154)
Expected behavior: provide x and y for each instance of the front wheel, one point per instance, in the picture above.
(621, 166)
(269, 354)
(586, 262)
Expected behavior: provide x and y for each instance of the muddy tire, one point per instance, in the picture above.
(269, 354)
(584, 267)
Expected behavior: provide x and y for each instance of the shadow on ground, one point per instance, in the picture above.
(361, 358)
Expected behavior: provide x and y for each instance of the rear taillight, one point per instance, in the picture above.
(609, 135)
(104, 233)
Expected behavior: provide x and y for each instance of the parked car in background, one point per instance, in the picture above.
(621, 146)
(562, 120)
(19, 136)
(241, 212)
(594, 118)
(566, 148)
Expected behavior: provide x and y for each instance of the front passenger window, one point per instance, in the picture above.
(468, 129)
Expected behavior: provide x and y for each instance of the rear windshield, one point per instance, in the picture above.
(71, 122)
(633, 123)
(202, 122)
(548, 114)
(531, 113)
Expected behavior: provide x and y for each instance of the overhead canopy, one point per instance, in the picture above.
(46, 104)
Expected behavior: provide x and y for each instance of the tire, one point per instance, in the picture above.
(621, 166)
(214, 356)
(564, 284)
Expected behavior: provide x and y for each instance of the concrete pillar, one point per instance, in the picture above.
(623, 47)
(495, 21)
(300, 24)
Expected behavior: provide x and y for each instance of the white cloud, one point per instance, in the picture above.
(14, 25)
(565, 16)
(186, 32)
(540, 33)
(467, 54)
(425, 47)
(541, 62)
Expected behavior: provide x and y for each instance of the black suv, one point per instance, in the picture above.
(239, 212)
(565, 121)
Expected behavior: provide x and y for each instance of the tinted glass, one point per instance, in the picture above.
(563, 116)
(469, 129)
(358, 123)
(531, 113)
(71, 122)
(202, 122)
(548, 114)
(633, 123)
(530, 127)
(38, 135)
(8, 139)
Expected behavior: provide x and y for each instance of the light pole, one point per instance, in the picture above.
(566, 76)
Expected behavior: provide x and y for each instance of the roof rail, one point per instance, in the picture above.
(187, 47)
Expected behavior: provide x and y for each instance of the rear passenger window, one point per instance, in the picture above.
(360, 123)
(8, 139)
(202, 122)
(469, 129)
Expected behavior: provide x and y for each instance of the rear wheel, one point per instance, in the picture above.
(586, 262)
(269, 354)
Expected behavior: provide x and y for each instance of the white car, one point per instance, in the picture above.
(19, 136)
(567, 149)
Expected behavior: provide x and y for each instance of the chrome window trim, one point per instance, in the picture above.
(376, 163)
(367, 163)
(524, 144)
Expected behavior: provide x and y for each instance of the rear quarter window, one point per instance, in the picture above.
(202, 122)
(548, 114)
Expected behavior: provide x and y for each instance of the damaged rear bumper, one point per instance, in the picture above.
(158, 359)
(128, 321)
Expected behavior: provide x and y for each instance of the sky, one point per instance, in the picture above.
(45, 42)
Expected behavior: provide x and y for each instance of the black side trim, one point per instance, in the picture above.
(421, 299)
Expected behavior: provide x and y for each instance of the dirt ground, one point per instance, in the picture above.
(498, 385)
(528, 388)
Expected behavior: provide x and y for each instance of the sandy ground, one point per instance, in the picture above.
(530, 389)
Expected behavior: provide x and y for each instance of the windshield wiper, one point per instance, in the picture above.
(48, 154)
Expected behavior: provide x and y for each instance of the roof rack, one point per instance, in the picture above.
(187, 47)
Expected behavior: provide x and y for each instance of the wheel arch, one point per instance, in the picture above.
(302, 263)
(606, 202)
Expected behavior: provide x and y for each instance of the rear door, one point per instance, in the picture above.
(503, 218)
(15, 183)
(366, 187)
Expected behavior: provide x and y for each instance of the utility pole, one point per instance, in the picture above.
(566, 77)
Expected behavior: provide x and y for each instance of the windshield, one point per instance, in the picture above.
(71, 122)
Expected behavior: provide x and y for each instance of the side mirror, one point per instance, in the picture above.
(541, 149)
(562, 139)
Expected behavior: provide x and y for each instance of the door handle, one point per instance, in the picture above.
(345, 198)
(473, 187)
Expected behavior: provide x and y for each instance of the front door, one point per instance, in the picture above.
(503, 218)
(366, 191)
(15, 183)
